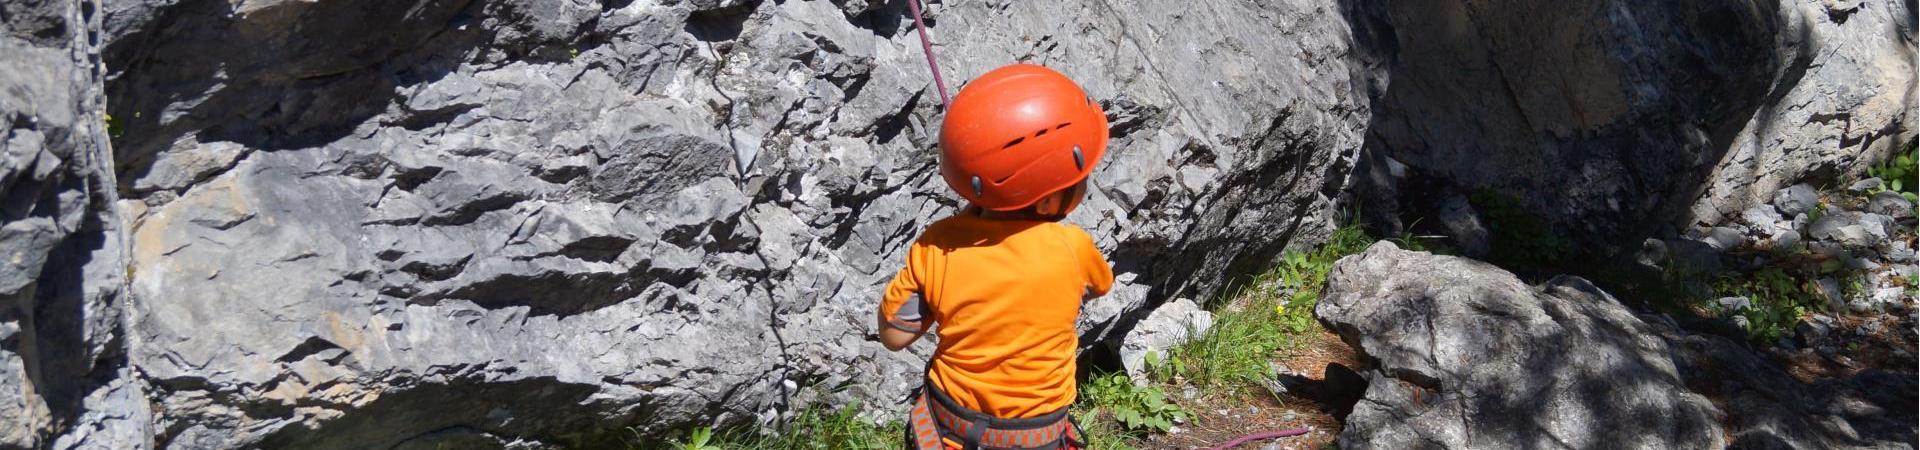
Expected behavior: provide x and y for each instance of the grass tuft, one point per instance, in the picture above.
(1276, 310)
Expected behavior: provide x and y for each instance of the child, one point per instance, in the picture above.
(1003, 278)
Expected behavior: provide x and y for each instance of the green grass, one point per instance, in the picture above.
(1100, 433)
(1276, 310)
(814, 428)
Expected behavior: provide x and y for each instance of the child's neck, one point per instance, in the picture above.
(1012, 215)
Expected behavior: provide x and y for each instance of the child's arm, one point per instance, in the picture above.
(1099, 272)
(903, 314)
(907, 325)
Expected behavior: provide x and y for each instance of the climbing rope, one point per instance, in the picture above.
(926, 46)
(1260, 436)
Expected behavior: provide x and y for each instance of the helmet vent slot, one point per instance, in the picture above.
(1062, 125)
(1042, 132)
(1015, 141)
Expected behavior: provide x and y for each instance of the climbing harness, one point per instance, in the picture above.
(926, 47)
(935, 416)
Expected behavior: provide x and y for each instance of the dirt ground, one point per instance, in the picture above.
(1220, 418)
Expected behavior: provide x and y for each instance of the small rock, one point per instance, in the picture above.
(1828, 250)
(1863, 186)
(1830, 288)
(1724, 239)
(1760, 215)
(1787, 241)
(1797, 199)
(1861, 264)
(1742, 323)
(1899, 252)
(1809, 332)
(1735, 304)
(1799, 222)
(1464, 225)
(1891, 204)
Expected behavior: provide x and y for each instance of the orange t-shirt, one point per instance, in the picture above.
(1006, 294)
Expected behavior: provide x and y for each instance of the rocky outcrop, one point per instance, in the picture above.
(542, 222)
(1614, 121)
(1465, 355)
(64, 378)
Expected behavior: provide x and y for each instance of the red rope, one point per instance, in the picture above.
(1260, 436)
(926, 46)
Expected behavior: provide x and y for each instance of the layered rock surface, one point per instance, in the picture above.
(1614, 121)
(1465, 355)
(64, 377)
(535, 223)
(540, 222)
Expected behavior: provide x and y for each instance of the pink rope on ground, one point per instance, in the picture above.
(1260, 436)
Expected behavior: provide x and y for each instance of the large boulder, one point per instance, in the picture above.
(368, 223)
(64, 378)
(1466, 355)
(1613, 121)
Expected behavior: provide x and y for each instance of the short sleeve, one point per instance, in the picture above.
(1099, 273)
(901, 306)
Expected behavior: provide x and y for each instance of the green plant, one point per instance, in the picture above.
(1136, 408)
(1099, 434)
(1277, 311)
(1776, 299)
(697, 440)
(1519, 237)
(1899, 174)
(814, 428)
(114, 128)
(1165, 369)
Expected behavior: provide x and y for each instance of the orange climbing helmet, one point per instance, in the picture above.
(1018, 134)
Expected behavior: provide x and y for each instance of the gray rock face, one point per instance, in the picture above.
(64, 378)
(541, 222)
(1468, 356)
(1614, 120)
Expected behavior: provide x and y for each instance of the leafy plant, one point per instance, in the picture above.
(1899, 174)
(1100, 434)
(698, 440)
(1777, 300)
(114, 128)
(1165, 369)
(1136, 408)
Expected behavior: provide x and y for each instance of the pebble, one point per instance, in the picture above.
(1735, 304)
(1863, 186)
(1891, 204)
(1796, 199)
